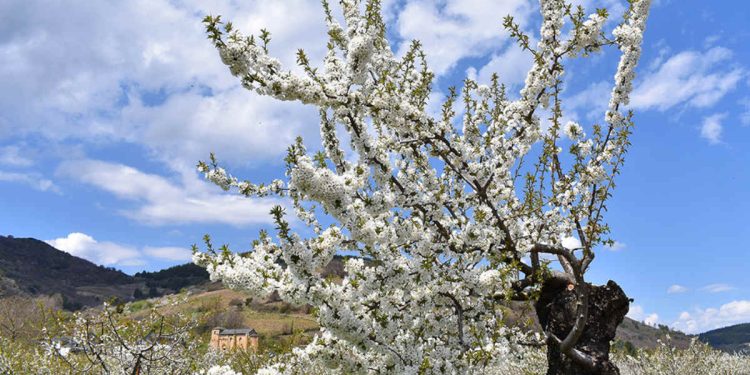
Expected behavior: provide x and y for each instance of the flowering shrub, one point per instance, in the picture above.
(450, 214)
(698, 359)
(105, 342)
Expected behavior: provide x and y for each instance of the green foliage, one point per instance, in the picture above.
(137, 294)
(624, 347)
(213, 30)
(282, 226)
(139, 305)
(175, 278)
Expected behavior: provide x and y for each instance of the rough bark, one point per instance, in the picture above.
(556, 309)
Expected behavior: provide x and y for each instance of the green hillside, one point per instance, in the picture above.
(734, 338)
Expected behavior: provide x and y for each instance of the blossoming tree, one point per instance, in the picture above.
(451, 215)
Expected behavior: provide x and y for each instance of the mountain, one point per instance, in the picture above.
(632, 333)
(175, 278)
(32, 267)
(731, 339)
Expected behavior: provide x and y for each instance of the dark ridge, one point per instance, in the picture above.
(732, 339)
(175, 278)
(32, 267)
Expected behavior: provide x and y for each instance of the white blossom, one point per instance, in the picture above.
(573, 131)
(220, 370)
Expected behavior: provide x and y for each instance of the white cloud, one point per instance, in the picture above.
(169, 253)
(637, 312)
(745, 115)
(161, 202)
(104, 253)
(571, 243)
(652, 319)
(13, 156)
(34, 180)
(234, 123)
(711, 128)
(158, 82)
(151, 80)
(676, 288)
(511, 66)
(452, 30)
(109, 253)
(691, 78)
(717, 288)
(701, 320)
(590, 103)
(617, 246)
(663, 53)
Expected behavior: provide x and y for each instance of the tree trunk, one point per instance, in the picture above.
(556, 309)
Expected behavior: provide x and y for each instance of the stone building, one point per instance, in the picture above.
(229, 339)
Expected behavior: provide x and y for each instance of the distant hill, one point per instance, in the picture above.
(731, 339)
(32, 267)
(175, 278)
(642, 335)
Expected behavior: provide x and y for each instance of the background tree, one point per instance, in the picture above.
(451, 215)
(24, 318)
(106, 342)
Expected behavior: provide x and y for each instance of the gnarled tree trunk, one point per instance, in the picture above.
(556, 309)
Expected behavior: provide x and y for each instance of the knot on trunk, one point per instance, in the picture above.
(556, 310)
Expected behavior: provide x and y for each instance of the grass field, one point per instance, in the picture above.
(275, 322)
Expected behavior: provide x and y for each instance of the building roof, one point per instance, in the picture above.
(238, 331)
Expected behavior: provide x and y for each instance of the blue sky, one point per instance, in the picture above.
(105, 107)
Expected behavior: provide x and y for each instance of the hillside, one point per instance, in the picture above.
(273, 320)
(641, 335)
(174, 278)
(32, 267)
(731, 339)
